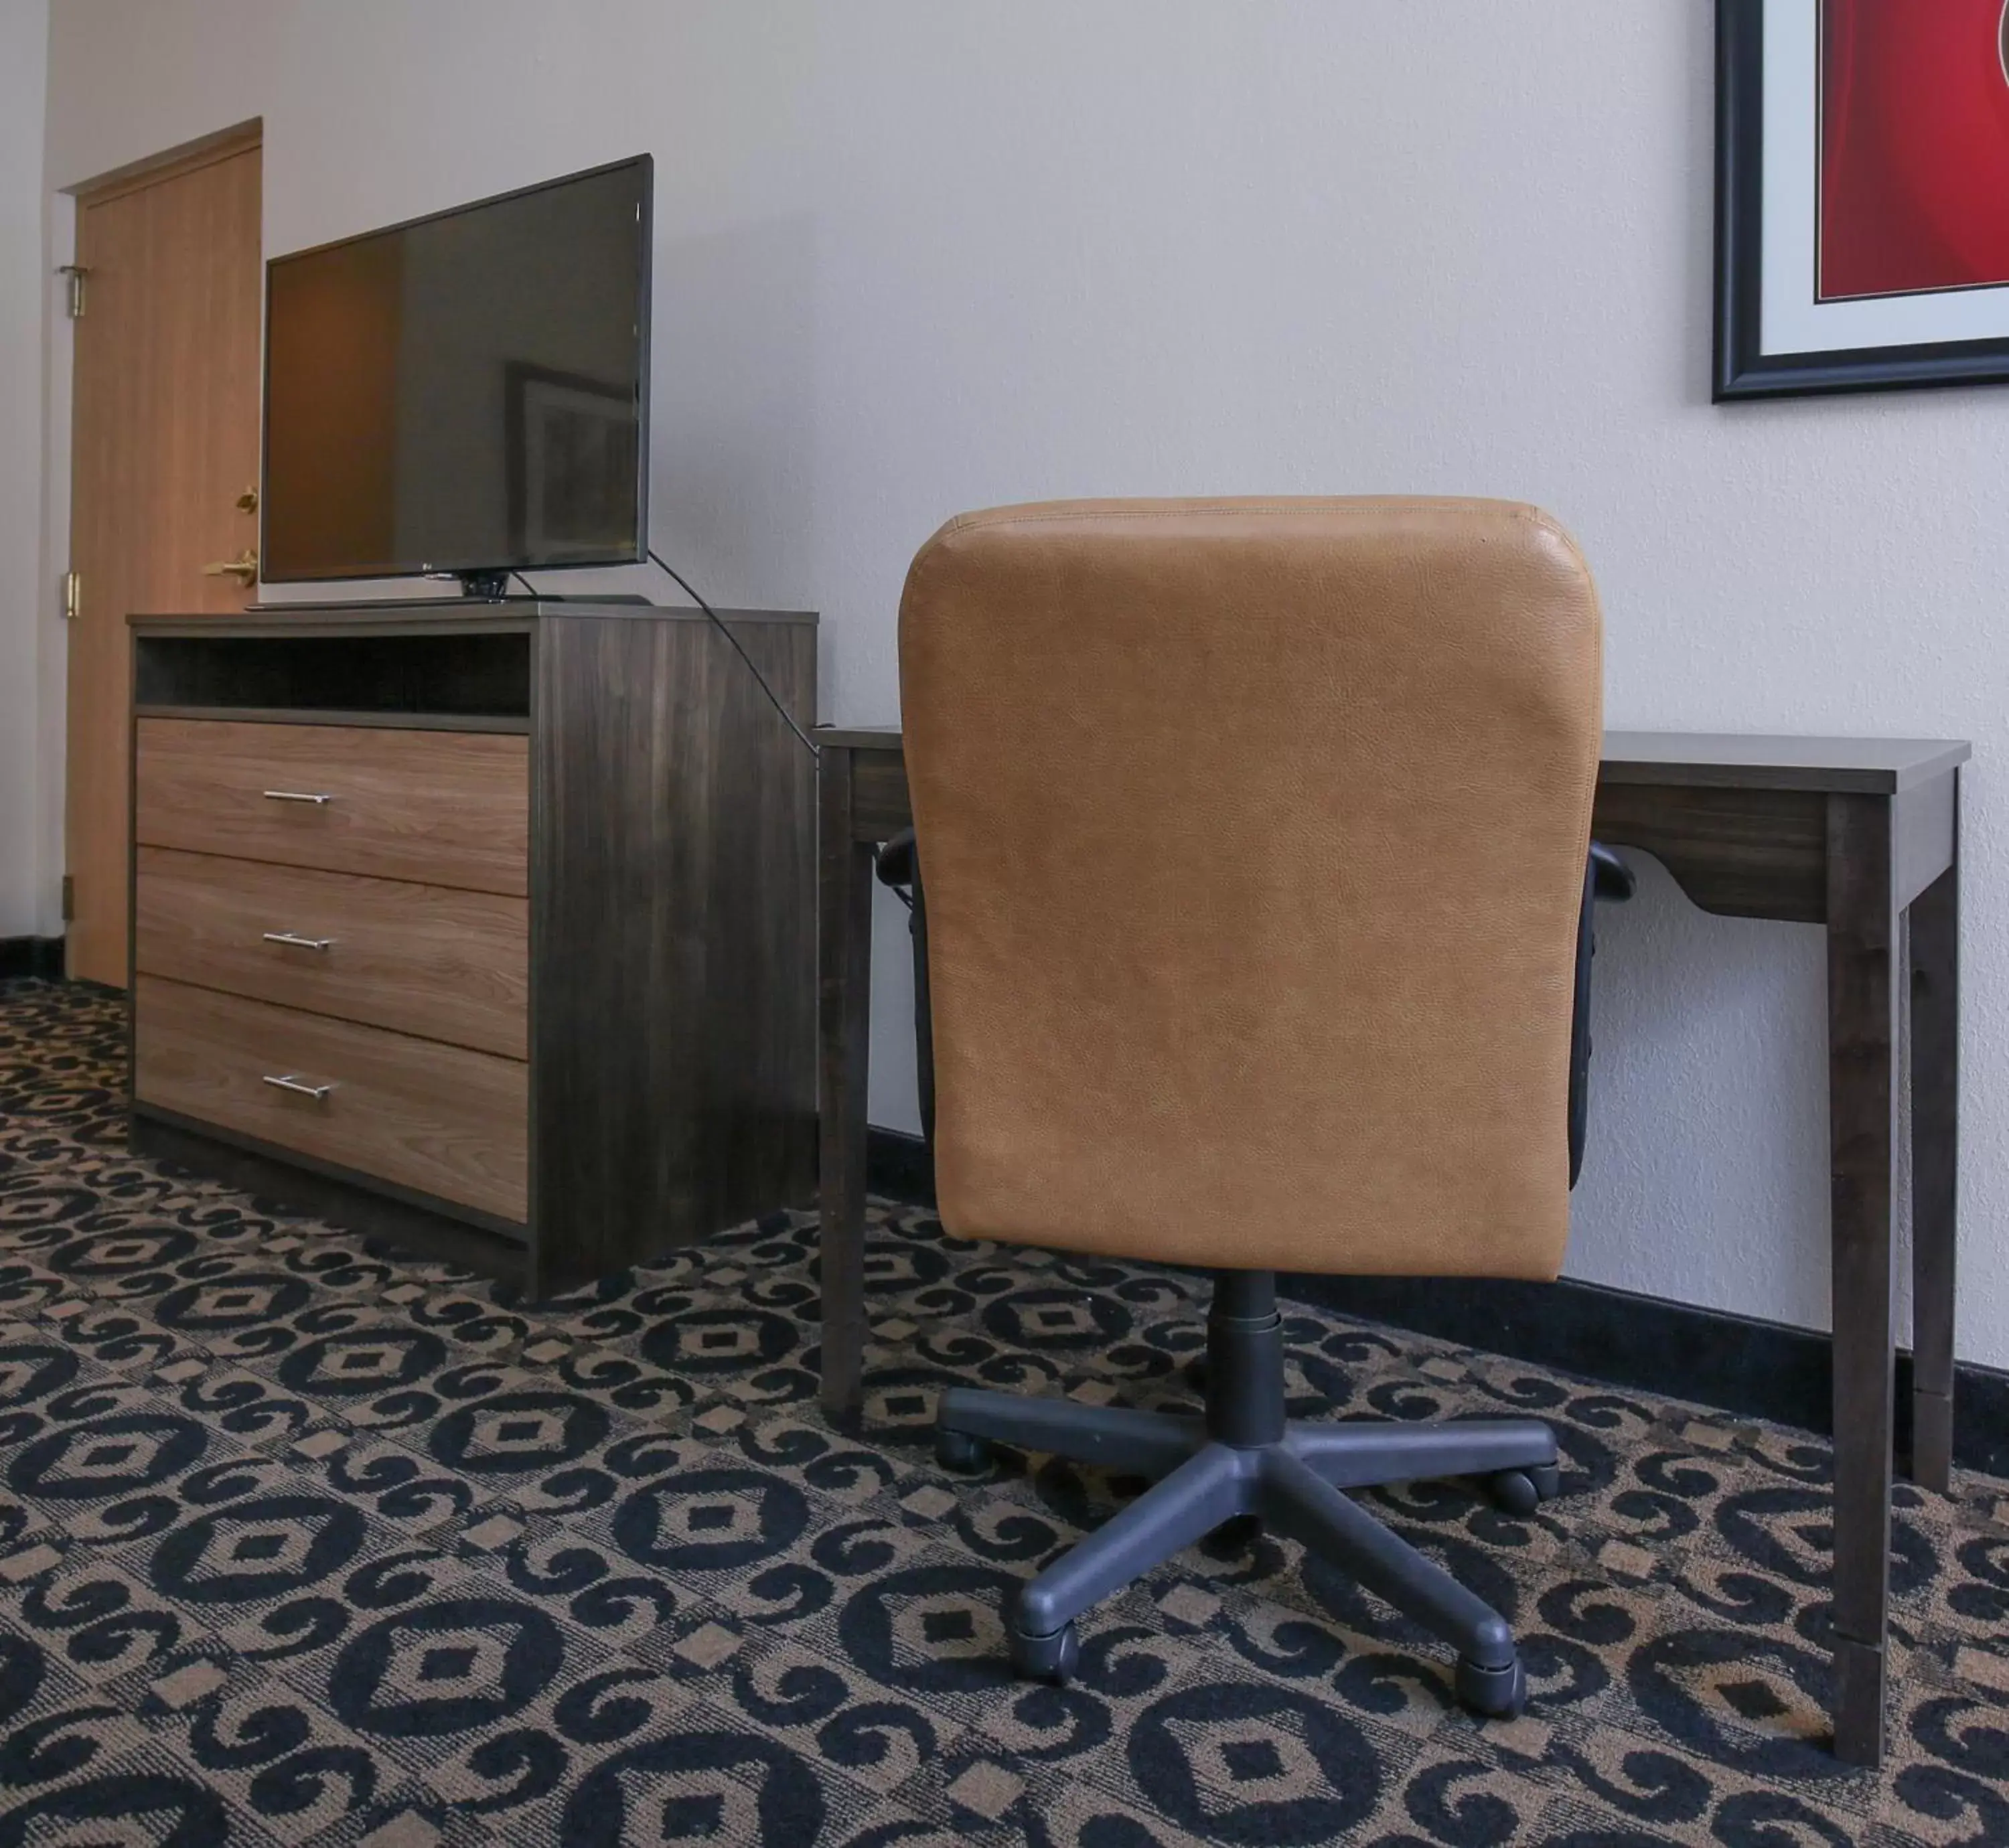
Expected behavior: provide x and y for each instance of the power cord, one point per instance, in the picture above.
(787, 718)
(657, 558)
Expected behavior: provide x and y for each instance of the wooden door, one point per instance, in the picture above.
(164, 449)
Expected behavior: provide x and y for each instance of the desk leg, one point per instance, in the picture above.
(1935, 1156)
(843, 951)
(1862, 1047)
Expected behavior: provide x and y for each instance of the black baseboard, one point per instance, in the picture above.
(897, 1167)
(41, 957)
(1732, 1363)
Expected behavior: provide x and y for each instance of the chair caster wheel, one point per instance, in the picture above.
(1523, 1491)
(1045, 1658)
(1492, 1693)
(958, 1451)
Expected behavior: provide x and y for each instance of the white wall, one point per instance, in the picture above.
(25, 610)
(915, 257)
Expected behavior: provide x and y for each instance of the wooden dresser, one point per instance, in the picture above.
(488, 928)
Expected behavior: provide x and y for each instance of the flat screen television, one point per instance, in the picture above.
(465, 394)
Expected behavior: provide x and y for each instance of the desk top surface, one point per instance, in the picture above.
(1720, 759)
(1738, 760)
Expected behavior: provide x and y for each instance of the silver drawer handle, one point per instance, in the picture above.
(294, 941)
(298, 795)
(317, 1092)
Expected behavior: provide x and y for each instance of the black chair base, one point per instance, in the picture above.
(1243, 1458)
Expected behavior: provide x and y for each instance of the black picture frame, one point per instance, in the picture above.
(530, 390)
(1742, 370)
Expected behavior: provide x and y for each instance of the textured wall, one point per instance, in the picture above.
(915, 257)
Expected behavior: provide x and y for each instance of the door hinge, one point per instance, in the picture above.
(72, 589)
(69, 897)
(75, 273)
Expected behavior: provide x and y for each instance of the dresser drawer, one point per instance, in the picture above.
(432, 960)
(438, 1119)
(439, 807)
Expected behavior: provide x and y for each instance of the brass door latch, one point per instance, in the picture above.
(243, 568)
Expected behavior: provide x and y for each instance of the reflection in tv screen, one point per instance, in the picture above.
(466, 392)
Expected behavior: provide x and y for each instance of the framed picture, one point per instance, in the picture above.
(1861, 195)
(571, 442)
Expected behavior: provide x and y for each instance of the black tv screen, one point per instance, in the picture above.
(467, 392)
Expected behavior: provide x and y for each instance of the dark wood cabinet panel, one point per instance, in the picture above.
(673, 934)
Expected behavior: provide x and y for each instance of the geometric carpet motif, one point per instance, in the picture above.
(301, 1542)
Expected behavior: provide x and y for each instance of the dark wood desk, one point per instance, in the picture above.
(1856, 834)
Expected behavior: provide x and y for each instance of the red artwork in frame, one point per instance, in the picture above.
(1862, 195)
(1914, 145)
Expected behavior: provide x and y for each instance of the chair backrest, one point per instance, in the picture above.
(1254, 838)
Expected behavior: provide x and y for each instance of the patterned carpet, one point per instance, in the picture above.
(299, 1543)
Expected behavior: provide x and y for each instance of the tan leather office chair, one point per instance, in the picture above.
(1254, 835)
